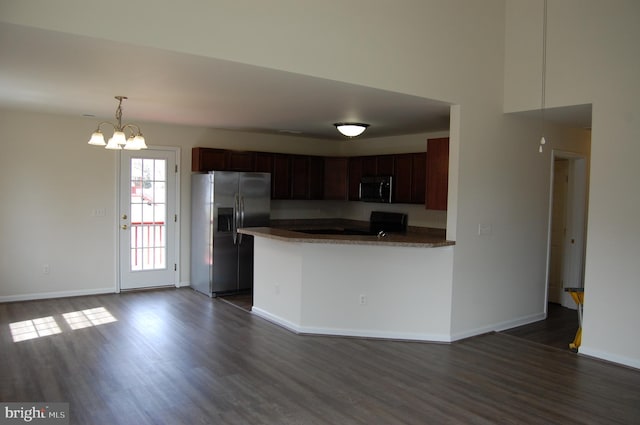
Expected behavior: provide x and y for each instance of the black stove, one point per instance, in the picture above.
(380, 223)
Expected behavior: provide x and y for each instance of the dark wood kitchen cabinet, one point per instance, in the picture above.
(307, 177)
(376, 165)
(299, 177)
(336, 178)
(403, 179)
(263, 162)
(385, 165)
(354, 175)
(409, 178)
(316, 177)
(240, 161)
(281, 177)
(207, 159)
(437, 182)
(369, 165)
(418, 177)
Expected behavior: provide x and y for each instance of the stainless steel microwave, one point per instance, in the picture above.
(376, 189)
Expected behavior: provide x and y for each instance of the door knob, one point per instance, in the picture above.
(124, 227)
(124, 216)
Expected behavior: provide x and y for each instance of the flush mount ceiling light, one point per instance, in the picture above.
(119, 140)
(351, 129)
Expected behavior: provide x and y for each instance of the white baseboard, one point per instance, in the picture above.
(276, 320)
(363, 333)
(614, 358)
(57, 294)
(501, 326)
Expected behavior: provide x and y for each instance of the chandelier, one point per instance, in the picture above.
(119, 139)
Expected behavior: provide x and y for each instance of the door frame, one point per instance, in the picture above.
(177, 261)
(576, 222)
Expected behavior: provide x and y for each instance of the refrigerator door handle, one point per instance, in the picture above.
(236, 208)
(241, 223)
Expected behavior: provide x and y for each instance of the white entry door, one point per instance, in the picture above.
(148, 218)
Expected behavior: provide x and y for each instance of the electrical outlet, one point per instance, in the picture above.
(46, 269)
(363, 299)
(277, 289)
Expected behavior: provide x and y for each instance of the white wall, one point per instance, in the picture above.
(51, 183)
(295, 288)
(591, 58)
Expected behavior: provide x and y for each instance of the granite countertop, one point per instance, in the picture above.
(286, 230)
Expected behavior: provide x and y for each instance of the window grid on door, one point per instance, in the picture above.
(148, 209)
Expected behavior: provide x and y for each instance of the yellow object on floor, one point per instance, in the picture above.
(578, 296)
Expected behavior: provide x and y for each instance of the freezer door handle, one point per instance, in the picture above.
(241, 204)
(236, 210)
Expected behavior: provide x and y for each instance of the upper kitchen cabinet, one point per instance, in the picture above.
(385, 165)
(355, 173)
(281, 177)
(376, 165)
(263, 162)
(409, 178)
(336, 178)
(240, 161)
(307, 180)
(437, 174)
(316, 177)
(279, 165)
(209, 159)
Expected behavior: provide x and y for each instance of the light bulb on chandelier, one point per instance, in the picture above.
(119, 138)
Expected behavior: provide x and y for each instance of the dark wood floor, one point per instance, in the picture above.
(558, 330)
(179, 357)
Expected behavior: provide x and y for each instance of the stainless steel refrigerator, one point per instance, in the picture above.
(222, 202)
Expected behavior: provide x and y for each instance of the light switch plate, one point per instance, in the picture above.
(484, 229)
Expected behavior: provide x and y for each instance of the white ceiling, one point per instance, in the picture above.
(61, 73)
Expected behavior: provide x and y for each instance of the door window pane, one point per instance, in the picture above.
(148, 214)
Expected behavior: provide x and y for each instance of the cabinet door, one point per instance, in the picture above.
(385, 165)
(336, 182)
(355, 174)
(369, 165)
(263, 162)
(437, 174)
(316, 177)
(208, 159)
(418, 177)
(240, 161)
(403, 178)
(281, 177)
(299, 177)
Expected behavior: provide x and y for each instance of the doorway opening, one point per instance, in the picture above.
(567, 227)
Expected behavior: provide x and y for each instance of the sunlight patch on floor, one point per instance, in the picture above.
(34, 328)
(88, 318)
(45, 326)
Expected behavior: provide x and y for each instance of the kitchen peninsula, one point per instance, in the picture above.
(397, 286)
